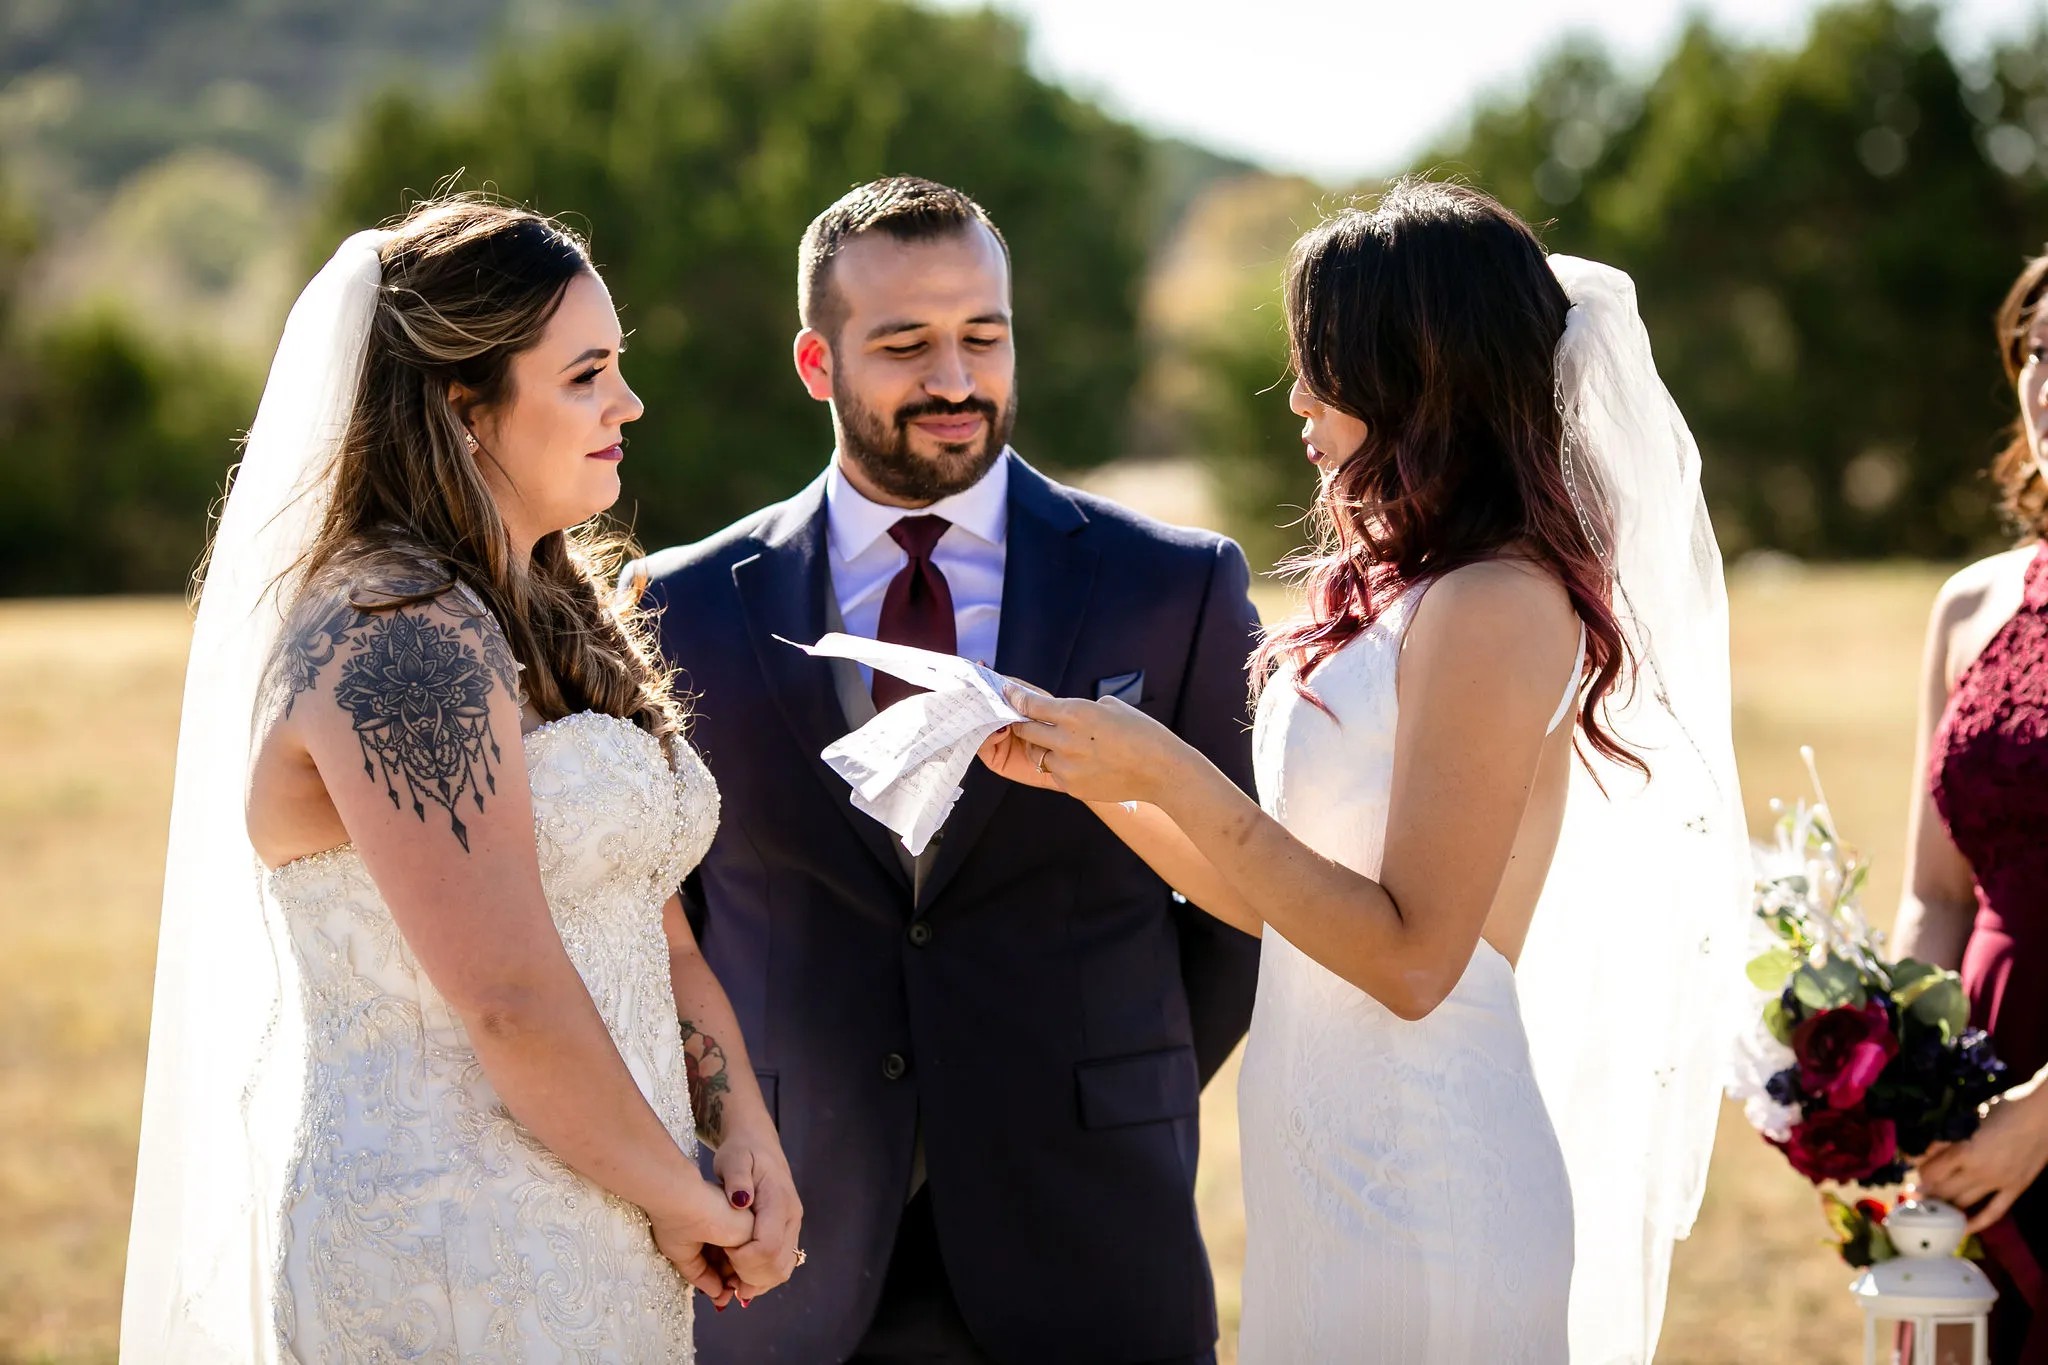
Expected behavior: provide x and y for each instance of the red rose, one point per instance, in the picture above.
(1842, 1051)
(1831, 1145)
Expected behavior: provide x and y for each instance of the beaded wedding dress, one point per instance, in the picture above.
(420, 1221)
(1405, 1195)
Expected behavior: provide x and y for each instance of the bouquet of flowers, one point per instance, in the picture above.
(1856, 1063)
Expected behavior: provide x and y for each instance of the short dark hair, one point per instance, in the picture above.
(905, 207)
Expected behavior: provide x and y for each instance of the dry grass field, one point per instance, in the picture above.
(89, 694)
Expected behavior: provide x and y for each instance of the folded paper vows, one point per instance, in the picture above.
(905, 765)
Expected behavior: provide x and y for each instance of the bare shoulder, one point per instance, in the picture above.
(389, 626)
(1970, 585)
(1499, 597)
(1507, 619)
(1971, 607)
(403, 693)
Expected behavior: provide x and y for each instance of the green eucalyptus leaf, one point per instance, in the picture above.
(1768, 970)
(1912, 978)
(1942, 1004)
(1843, 1219)
(1809, 989)
(1779, 1020)
(1831, 985)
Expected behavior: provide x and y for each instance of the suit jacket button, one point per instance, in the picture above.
(893, 1066)
(920, 933)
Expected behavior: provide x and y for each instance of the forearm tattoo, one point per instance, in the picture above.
(417, 690)
(704, 1060)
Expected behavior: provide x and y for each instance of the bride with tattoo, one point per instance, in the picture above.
(433, 1046)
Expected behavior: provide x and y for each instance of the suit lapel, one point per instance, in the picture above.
(1048, 573)
(784, 590)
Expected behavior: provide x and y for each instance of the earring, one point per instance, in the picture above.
(469, 440)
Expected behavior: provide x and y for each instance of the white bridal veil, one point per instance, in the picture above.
(225, 1039)
(1631, 981)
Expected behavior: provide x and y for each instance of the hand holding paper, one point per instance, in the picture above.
(906, 764)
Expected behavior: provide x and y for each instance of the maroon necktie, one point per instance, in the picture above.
(917, 610)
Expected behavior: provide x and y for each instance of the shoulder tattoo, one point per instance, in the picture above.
(417, 690)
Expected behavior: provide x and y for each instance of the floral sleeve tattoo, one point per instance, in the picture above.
(417, 689)
(704, 1060)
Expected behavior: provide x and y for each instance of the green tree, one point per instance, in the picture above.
(1216, 378)
(116, 448)
(1819, 238)
(115, 445)
(695, 169)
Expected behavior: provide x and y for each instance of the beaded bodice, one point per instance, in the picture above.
(420, 1214)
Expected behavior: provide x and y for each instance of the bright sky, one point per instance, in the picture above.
(1346, 88)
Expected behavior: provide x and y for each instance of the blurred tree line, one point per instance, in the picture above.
(115, 443)
(1819, 237)
(695, 174)
(109, 87)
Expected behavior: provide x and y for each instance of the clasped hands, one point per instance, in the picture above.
(736, 1239)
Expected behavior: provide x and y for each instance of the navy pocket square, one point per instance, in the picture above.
(1128, 688)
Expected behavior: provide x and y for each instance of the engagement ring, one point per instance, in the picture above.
(1040, 764)
(800, 1257)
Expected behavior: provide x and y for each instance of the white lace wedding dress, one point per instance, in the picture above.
(422, 1222)
(1406, 1201)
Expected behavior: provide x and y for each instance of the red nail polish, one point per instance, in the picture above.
(740, 1199)
(719, 1306)
(743, 1303)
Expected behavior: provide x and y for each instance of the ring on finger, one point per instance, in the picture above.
(1040, 764)
(800, 1257)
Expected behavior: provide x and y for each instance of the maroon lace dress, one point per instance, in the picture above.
(1990, 776)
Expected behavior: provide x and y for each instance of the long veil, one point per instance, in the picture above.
(1631, 982)
(226, 1043)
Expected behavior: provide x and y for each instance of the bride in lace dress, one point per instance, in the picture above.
(433, 1046)
(1502, 717)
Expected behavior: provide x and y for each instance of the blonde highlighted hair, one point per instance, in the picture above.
(469, 283)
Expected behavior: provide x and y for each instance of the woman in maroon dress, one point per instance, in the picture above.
(1977, 868)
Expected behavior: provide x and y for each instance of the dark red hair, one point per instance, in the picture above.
(1434, 318)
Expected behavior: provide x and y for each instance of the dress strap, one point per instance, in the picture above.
(2035, 593)
(1571, 691)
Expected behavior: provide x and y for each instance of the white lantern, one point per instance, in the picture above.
(1927, 1287)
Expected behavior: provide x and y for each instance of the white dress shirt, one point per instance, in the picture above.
(971, 554)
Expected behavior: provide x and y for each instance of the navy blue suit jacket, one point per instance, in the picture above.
(1046, 1010)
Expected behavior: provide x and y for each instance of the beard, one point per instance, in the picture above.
(880, 447)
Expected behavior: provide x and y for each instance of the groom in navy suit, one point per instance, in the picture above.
(985, 1062)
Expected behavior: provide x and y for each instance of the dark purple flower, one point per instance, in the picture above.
(1960, 1125)
(1783, 1088)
